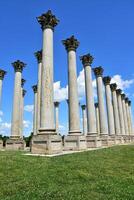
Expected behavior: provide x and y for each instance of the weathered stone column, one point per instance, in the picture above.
(115, 108)
(21, 108)
(122, 128)
(98, 71)
(15, 131)
(47, 141)
(35, 110)
(97, 117)
(130, 117)
(71, 44)
(2, 74)
(84, 119)
(38, 55)
(56, 104)
(110, 115)
(16, 142)
(124, 114)
(91, 119)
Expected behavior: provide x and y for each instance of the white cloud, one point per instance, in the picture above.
(26, 123)
(1, 113)
(60, 94)
(29, 108)
(122, 84)
(5, 128)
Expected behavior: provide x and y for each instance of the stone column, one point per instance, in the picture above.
(97, 118)
(115, 108)
(84, 119)
(71, 44)
(35, 110)
(15, 127)
(2, 74)
(98, 71)
(56, 104)
(130, 117)
(110, 114)
(47, 141)
(124, 114)
(22, 112)
(21, 108)
(122, 128)
(91, 119)
(38, 55)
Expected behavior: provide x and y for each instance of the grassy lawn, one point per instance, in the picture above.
(103, 174)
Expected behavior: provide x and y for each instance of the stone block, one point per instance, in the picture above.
(119, 139)
(15, 144)
(75, 142)
(93, 141)
(46, 144)
(105, 140)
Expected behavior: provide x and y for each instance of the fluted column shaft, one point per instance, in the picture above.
(35, 110)
(110, 114)
(102, 113)
(84, 119)
(124, 114)
(130, 116)
(91, 118)
(22, 112)
(115, 109)
(122, 127)
(15, 128)
(97, 117)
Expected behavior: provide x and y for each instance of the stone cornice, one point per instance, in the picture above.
(18, 66)
(96, 105)
(34, 87)
(2, 74)
(56, 103)
(113, 86)
(98, 71)
(22, 82)
(71, 43)
(47, 20)
(123, 96)
(24, 92)
(83, 107)
(38, 55)
(86, 60)
(118, 91)
(106, 80)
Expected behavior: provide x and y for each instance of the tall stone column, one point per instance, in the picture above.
(71, 44)
(110, 114)
(18, 67)
(21, 108)
(47, 141)
(2, 74)
(124, 114)
(97, 117)
(122, 128)
(35, 110)
(84, 119)
(38, 55)
(56, 104)
(91, 119)
(98, 71)
(130, 117)
(115, 108)
(16, 142)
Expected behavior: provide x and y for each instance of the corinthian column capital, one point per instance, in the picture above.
(106, 80)
(86, 60)
(98, 71)
(38, 55)
(2, 74)
(18, 66)
(71, 43)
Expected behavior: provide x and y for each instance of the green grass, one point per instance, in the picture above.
(106, 174)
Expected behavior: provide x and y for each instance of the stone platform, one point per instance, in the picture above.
(46, 144)
(75, 142)
(1, 144)
(119, 139)
(93, 141)
(105, 140)
(15, 144)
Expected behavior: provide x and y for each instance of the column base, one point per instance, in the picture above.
(75, 142)
(1, 144)
(14, 143)
(46, 144)
(93, 141)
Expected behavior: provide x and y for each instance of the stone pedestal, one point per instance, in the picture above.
(126, 138)
(119, 139)
(75, 142)
(105, 140)
(15, 144)
(1, 144)
(93, 141)
(46, 144)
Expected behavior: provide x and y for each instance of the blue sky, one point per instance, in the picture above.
(104, 28)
